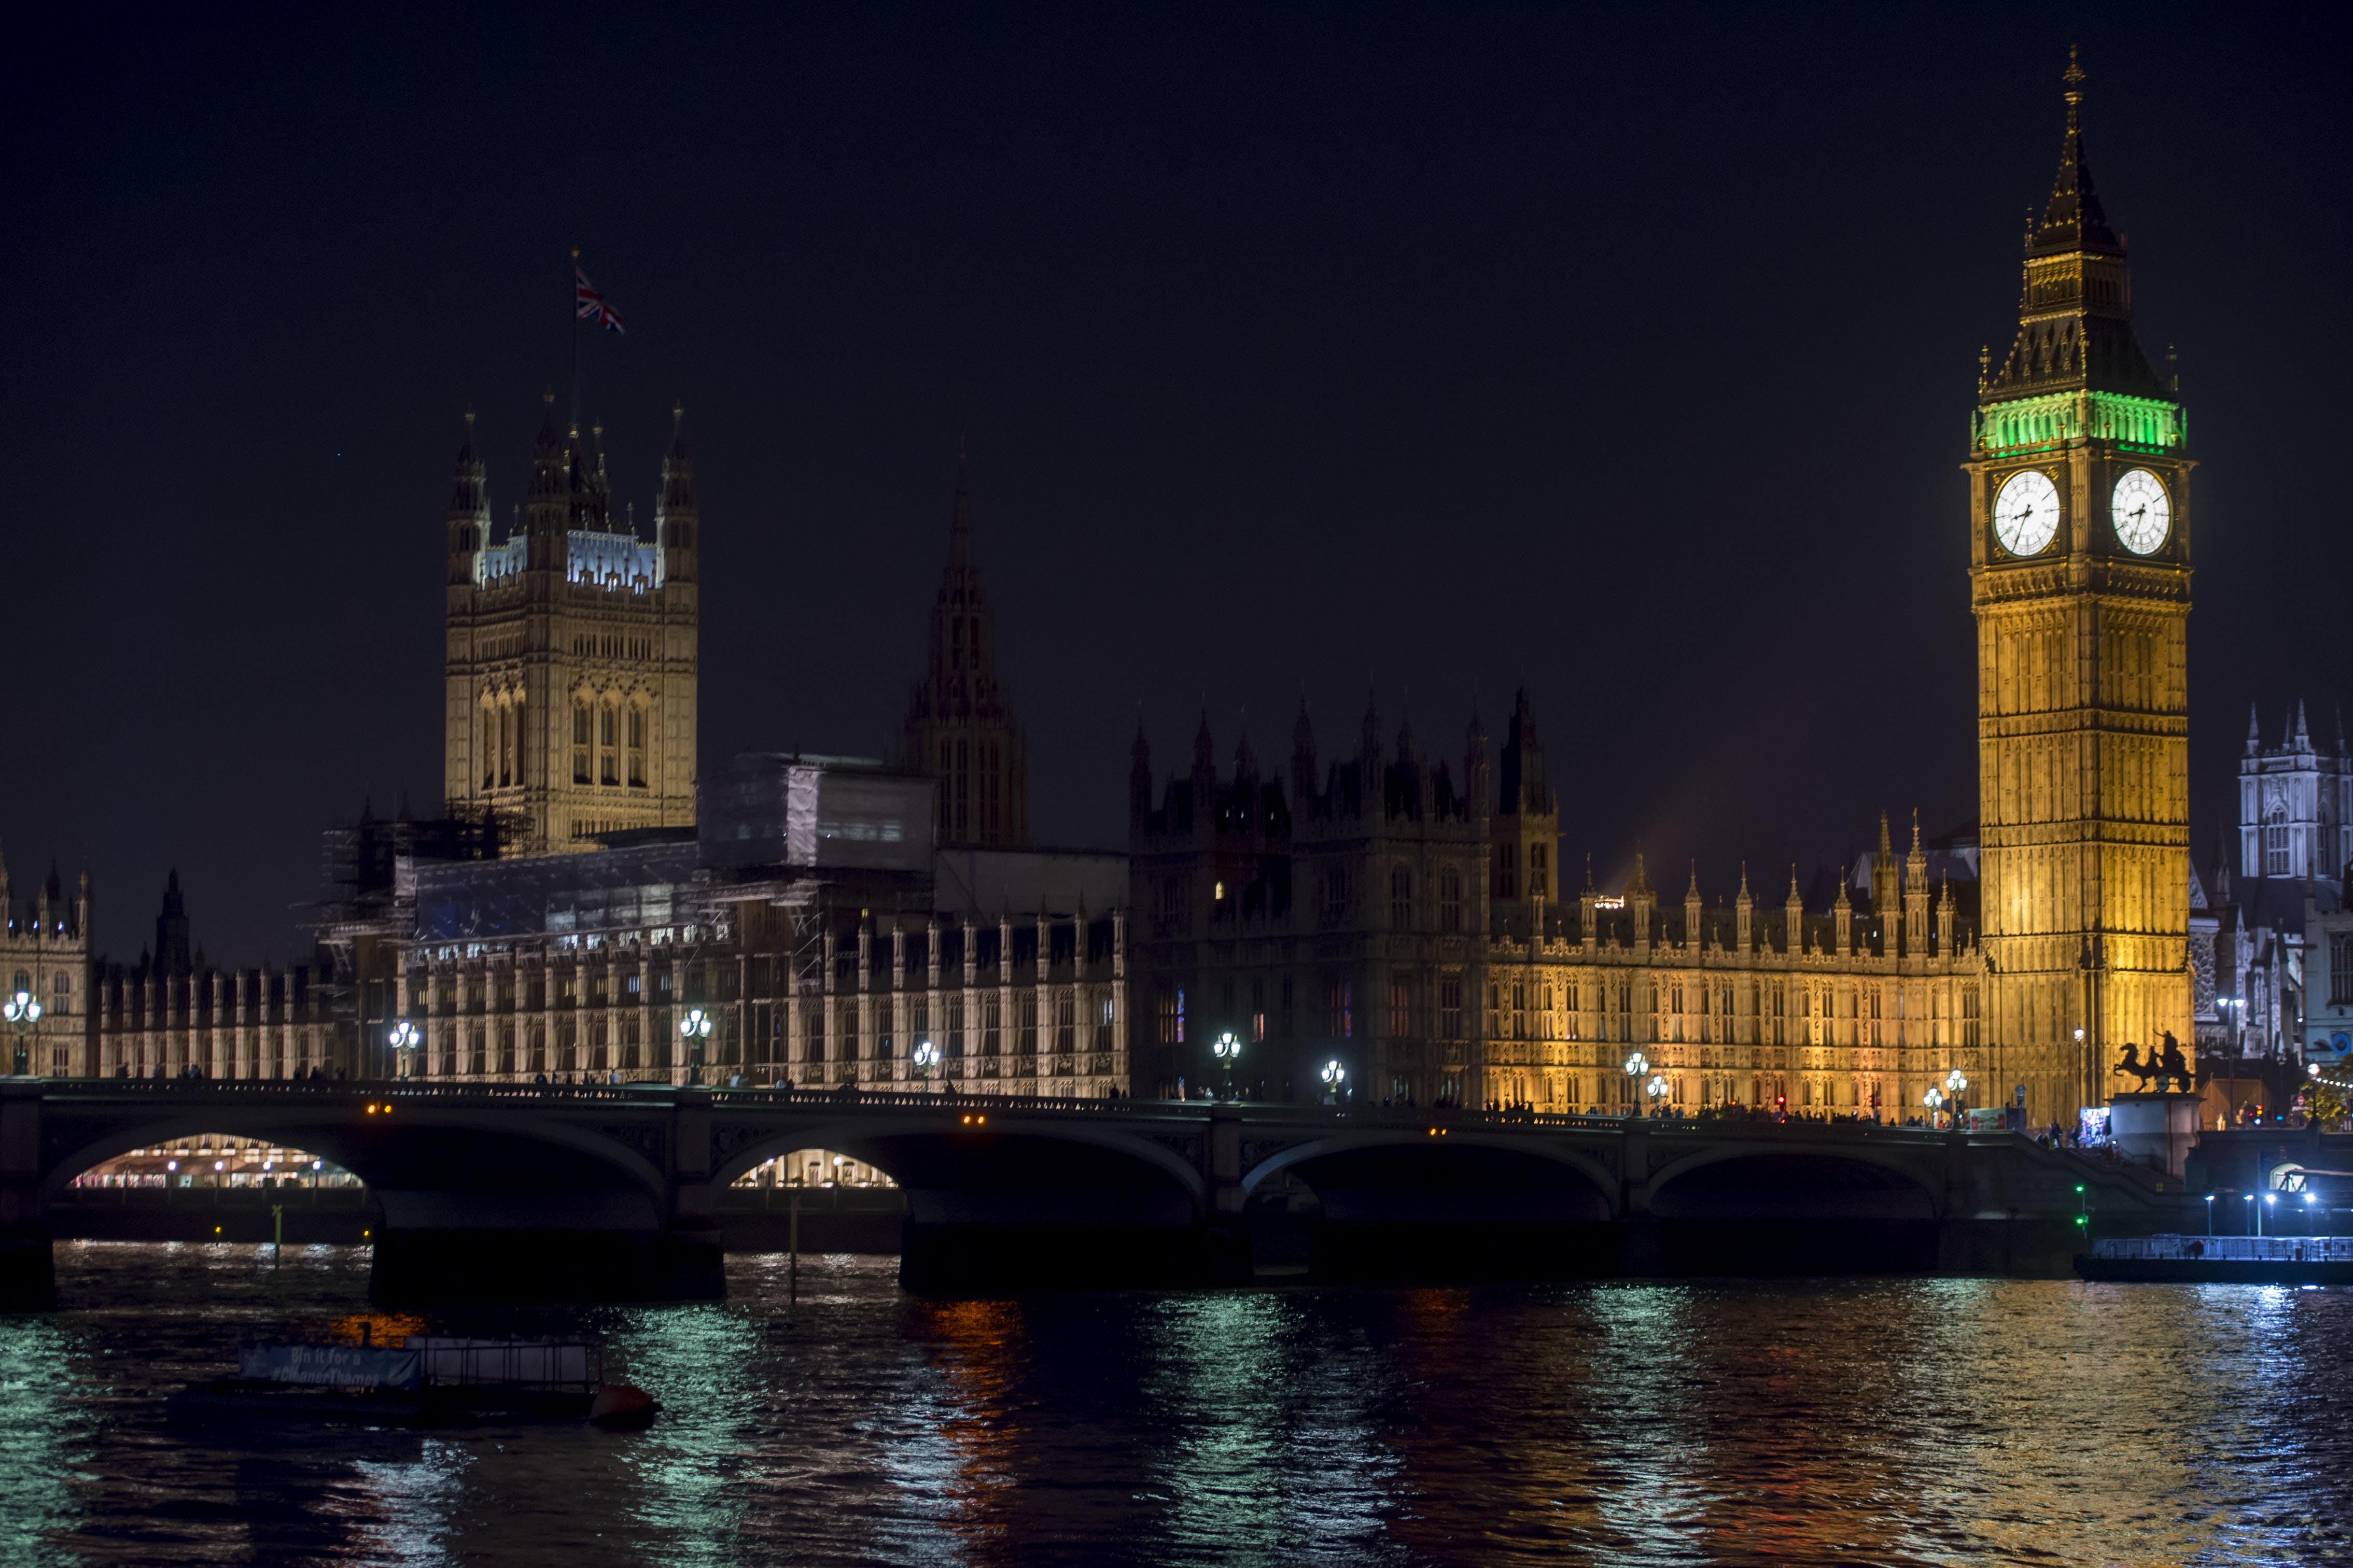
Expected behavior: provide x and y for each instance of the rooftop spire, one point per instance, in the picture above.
(960, 515)
(2073, 219)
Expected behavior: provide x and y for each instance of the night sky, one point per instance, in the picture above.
(1630, 357)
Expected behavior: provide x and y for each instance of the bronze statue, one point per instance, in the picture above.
(2170, 1065)
(2131, 1066)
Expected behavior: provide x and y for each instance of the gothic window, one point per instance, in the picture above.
(883, 1029)
(1570, 998)
(1539, 871)
(1507, 862)
(2340, 969)
(1401, 1006)
(1106, 1015)
(956, 643)
(488, 748)
(1065, 1024)
(992, 1022)
(955, 1026)
(1401, 897)
(1450, 1006)
(1338, 1014)
(848, 1032)
(2276, 843)
(1335, 895)
(1449, 900)
(1519, 1009)
(1258, 1008)
(636, 737)
(580, 740)
(608, 766)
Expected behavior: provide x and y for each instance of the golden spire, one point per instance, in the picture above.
(2073, 77)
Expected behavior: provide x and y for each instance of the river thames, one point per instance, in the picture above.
(1816, 1421)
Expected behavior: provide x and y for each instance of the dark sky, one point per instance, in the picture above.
(1628, 356)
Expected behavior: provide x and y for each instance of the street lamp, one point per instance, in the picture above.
(2270, 1199)
(403, 1037)
(927, 1056)
(22, 1011)
(1636, 1066)
(1955, 1082)
(1333, 1075)
(1934, 1099)
(694, 1028)
(2210, 1214)
(1657, 1089)
(1228, 1048)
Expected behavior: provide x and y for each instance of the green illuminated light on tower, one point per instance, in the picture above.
(2144, 423)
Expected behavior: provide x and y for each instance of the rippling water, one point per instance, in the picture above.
(1883, 1421)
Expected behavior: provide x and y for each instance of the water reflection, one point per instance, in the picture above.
(1892, 1421)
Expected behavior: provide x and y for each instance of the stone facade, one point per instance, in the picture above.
(1414, 931)
(2296, 805)
(44, 953)
(2082, 610)
(172, 1013)
(572, 651)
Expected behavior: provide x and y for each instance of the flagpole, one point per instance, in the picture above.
(571, 288)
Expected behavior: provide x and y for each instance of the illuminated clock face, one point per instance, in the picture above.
(2026, 513)
(2142, 514)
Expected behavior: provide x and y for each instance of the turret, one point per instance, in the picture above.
(1694, 910)
(1843, 921)
(1917, 939)
(1303, 761)
(1139, 776)
(1744, 913)
(1478, 787)
(548, 502)
(676, 514)
(1884, 884)
(470, 513)
(1794, 912)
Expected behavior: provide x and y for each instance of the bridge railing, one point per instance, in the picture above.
(479, 1091)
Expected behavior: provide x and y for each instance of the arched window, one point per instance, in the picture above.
(635, 738)
(2275, 844)
(1401, 897)
(580, 739)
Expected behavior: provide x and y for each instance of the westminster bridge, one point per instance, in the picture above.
(548, 1192)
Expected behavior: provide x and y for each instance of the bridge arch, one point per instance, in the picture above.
(925, 1147)
(418, 1147)
(1456, 1143)
(1767, 1172)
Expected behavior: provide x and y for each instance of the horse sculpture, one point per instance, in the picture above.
(2131, 1066)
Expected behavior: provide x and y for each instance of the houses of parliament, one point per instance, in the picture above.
(1398, 909)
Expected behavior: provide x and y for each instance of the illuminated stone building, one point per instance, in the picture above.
(2079, 531)
(1416, 932)
(44, 952)
(810, 919)
(172, 1012)
(571, 651)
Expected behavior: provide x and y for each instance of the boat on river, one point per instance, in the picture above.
(2221, 1259)
(426, 1381)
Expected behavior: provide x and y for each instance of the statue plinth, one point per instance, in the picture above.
(2158, 1127)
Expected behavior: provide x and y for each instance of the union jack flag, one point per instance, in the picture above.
(588, 305)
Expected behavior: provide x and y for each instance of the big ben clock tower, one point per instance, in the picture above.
(2078, 574)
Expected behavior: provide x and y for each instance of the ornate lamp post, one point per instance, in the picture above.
(1657, 1089)
(927, 1056)
(694, 1028)
(1335, 1078)
(1636, 1066)
(1934, 1101)
(22, 1011)
(1955, 1082)
(402, 1039)
(1228, 1048)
